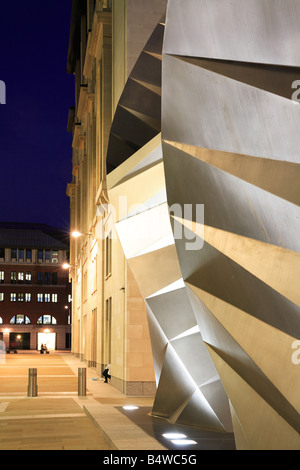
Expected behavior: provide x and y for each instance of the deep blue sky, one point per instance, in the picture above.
(35, 148)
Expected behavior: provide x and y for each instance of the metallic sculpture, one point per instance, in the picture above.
(223, 318)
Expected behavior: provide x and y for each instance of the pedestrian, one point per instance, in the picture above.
(2, 352)
(106, 373)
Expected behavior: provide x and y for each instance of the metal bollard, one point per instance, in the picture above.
(82, 382)
(32, 383)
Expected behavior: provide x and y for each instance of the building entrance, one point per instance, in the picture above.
(19, 341)
(47, 338)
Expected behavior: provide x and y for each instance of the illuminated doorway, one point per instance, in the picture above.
(47, 338)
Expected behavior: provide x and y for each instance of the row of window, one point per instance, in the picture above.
(24, 320)
(26, 277)
(21, 297)
(22, 254)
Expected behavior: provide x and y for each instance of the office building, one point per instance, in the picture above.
(35, 289)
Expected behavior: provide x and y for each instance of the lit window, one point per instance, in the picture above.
(1, 296)
(54, 256)
(1, 320)
(54, 297)
(13, 297)
(20, 297)
(13, 277)
(20, 320)
(1, 277)
(28, 278)
(20, 278)
(47, 298)
(40, 297)
(27, 297)
(47, 320)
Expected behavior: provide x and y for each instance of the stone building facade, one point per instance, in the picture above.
(109, 317)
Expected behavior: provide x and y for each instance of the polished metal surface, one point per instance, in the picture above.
(257, 31)
(223, 316)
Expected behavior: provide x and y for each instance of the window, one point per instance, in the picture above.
(13, 297)
(54, 297)
(13, 277)
(28, 278)
(1, 296)
(20, 320)
(13, 254)
(27, 297)
(84, 286)
(47, 256)
(40, 256)
(47, 320)
(20, 278)
(54, 278)
(40, 297)
(28, 255)
(1, 277)
(20, 297)
(108, 255)
(2, 253)
(21, 254)
(40, 277)
(54, 256)
(47, 297)
(47, 278)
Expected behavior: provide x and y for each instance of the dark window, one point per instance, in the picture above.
(47, 255)
(40, 278)
(54, 278)
(2, 251)
(40, 255)
(21, 254)
(28, 254)
(47, 278)
(13, 253)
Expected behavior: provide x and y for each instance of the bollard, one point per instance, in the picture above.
(82, 382)
(32, 383)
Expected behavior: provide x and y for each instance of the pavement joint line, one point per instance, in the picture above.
(40, 376)
(45, 416)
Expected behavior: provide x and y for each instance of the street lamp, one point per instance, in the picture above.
(76, 234)
(66, 266)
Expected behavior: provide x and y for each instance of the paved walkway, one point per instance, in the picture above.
(58, 419)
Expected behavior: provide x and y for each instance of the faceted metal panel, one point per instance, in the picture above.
(224, 315)
(257, 31)
(228, 137)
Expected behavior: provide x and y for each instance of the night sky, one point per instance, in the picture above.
(35, 147)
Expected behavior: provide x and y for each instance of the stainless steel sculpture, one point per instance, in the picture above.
(224, 318)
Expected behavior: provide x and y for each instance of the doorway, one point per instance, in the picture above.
(19, 341)
(46, 338)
